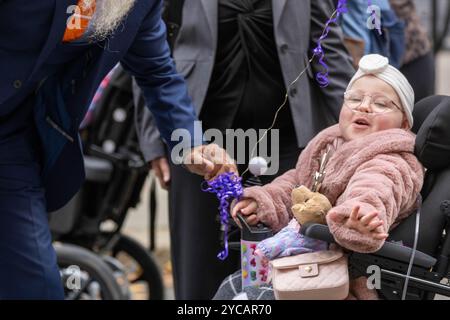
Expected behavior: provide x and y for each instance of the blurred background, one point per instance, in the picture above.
(433, 14)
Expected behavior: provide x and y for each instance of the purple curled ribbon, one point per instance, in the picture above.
(322, 77)
(227, 186)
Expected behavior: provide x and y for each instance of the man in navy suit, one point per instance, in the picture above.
(53, 55)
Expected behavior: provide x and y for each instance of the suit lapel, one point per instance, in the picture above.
(57, 30)
(211, 8)
(277, 10)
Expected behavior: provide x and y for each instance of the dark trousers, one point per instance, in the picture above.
(28, 268)
(195, 233)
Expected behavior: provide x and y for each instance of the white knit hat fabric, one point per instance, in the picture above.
(378, 66)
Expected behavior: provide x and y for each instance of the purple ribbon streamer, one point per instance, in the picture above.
(322, 77)
(227, 186)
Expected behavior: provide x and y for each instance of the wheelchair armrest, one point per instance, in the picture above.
(317, 231)
(389, 250)
(399, 252)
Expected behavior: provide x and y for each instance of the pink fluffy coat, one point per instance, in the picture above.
(378, 172)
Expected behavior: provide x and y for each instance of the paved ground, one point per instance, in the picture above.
(137, 222)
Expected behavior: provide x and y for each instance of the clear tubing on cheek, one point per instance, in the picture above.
(369, 114)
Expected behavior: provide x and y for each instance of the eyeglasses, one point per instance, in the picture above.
(378, 103)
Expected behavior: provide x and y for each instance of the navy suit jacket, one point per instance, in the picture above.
(64, 76)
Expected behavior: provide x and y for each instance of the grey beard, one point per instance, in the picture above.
(108, 16)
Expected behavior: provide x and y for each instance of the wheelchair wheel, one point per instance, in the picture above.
(141, 268)
(86, 276)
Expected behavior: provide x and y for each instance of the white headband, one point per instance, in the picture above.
(378, 66)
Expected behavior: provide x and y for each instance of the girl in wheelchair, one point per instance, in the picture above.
(372, 180)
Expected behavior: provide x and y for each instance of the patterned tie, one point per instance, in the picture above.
(78, 22)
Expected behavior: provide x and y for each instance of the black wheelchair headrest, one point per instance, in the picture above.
(432, 126)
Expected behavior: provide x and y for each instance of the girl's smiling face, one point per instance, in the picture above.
(356, 122)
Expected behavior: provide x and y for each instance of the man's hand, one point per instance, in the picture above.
(369, 225)
(162, 171)
(209, 161)
(247, 208)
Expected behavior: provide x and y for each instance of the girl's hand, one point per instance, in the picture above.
(247, 208)
(369, 225)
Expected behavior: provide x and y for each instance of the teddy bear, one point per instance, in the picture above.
(308, 206)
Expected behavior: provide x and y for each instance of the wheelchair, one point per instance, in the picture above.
(412, 265)
(115, 174)
(414, 261)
